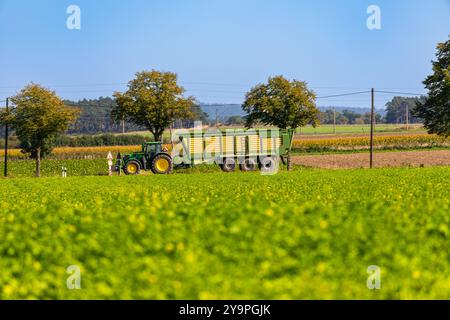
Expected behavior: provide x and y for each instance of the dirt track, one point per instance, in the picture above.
(381, 159)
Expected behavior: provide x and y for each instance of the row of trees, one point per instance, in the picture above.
(154, 101)
(347, 117)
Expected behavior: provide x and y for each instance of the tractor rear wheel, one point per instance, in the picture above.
(132, 168)
(162, 164)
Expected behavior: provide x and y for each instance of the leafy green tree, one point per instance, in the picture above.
(435, 111)
(282, 103)
(351, 116)
(235, 120)
(400, 107)
(38, 117)
(153, 100)
(197, 113)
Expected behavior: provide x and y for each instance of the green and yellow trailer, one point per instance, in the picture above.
(248, 150)
(232, 148)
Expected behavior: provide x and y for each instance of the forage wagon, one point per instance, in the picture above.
(249, 150)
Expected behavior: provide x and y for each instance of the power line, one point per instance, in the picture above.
(410, 88)
(343, 95)
(406, 93)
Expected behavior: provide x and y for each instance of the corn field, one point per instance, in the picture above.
(380, 142)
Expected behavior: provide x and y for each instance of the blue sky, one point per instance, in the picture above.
(220, 48)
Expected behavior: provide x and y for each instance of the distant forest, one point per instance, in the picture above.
(95, 118)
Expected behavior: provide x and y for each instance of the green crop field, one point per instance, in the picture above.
(75, 167)
(301, 235)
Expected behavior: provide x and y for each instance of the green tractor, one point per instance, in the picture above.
(153, 157)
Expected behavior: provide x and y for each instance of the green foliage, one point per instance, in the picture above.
(196, 113)
(95, 117)
(347, 117)
(107, 139)
(154, 100)
(435, 111)
(38, 117)
(235, 120)
(52, 167)
(397, 108)
(100, 140)
(309, 234)
(281, 103)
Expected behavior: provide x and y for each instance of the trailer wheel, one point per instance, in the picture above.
(268, 165)
(132, 168)
(229, 165)
(249, 164)
(162, 164)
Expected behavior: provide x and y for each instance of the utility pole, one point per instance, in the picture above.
(6, 140)
(372, 127)
(172, 125)
(217, 119)
(334, 120)
(407, 117)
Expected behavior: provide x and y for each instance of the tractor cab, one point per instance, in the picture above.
(153, 156)
(150, 148)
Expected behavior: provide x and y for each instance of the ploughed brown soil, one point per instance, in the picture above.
(381, 159)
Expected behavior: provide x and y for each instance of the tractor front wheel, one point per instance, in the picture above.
(132, 168)
(162, 164)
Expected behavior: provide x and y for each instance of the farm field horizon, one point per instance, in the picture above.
(307, 234)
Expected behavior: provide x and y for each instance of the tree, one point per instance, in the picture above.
(196, 114)
(235, 120)
(359, 120)
(282, 103)
(38, 117)
(153, 100)
(350, 115)
(435, 111)
(400, 108)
